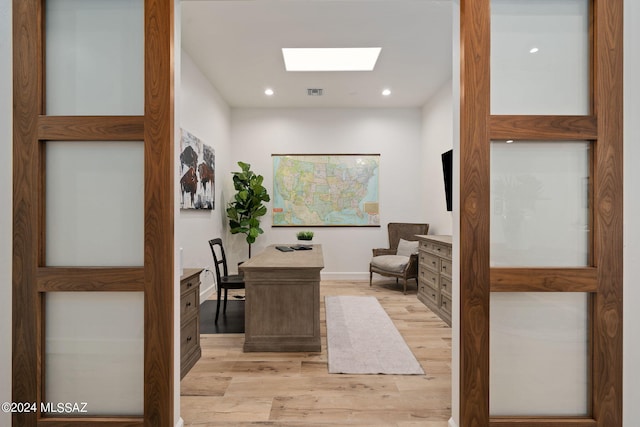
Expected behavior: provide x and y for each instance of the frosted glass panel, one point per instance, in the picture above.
(540, 57)
(95, 57)
(94, 351)
(538, 354)
(539, 204)
(95, 203)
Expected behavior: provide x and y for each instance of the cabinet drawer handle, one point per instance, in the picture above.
(444, 267)
(188, 338)
(189, 304)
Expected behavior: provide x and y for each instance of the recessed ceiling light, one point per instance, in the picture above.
(533, 50)
(386, 92)
(330, 59)
(268, 91)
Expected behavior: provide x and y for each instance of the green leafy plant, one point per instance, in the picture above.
(304, 235)
(248, 206)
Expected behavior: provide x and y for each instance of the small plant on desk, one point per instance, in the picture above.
(304, 235)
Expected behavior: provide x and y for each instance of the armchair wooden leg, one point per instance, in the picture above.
(370, 277)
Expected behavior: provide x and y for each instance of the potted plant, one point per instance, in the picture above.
(304, 235)
(248, 206)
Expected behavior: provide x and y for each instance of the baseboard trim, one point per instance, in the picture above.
(452, 423)
(207, 292)
(359, 276)
(180, 422)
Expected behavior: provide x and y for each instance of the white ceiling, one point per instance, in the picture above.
(237, 45)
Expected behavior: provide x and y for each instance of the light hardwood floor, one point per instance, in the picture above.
(230, 388)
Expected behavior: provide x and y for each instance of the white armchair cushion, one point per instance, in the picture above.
(391, 263)
(407, 248)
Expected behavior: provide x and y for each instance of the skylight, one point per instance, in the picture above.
(331, 59)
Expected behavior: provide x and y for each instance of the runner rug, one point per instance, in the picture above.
(362, 339)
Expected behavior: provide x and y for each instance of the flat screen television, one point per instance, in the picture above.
(447, 172)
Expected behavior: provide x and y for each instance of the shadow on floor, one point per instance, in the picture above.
(230, 323)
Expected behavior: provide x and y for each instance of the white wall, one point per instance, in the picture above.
(206, 115)
(393, 133)
(5, 205)
(631, 313)
(437, 137)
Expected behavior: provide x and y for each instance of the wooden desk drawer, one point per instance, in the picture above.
(428, 284)
(189, 304)
(438, 250)
(445, 304)
(429, 293)
(445, 267)
(445, 285)
(188, 284)
(429, 277)
(430, 261)
(189, 336)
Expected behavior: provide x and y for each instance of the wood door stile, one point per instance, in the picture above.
(474, 212)
(602, 277)
(32, 279)
(27, 96)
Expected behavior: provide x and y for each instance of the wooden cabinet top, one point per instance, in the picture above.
(444, 238)
(190, 272)
(272, 258)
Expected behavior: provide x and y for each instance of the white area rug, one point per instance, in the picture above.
(362, 339)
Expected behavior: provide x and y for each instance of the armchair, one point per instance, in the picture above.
(400, 260)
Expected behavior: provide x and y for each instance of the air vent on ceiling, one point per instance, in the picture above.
(314, 92)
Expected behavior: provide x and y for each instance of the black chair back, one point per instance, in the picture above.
(218, 258)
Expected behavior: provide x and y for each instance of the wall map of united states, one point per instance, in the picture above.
(326, 190)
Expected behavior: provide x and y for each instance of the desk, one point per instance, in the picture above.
(282, 300)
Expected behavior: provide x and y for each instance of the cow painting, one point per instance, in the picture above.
(197, 173)
(189, 184)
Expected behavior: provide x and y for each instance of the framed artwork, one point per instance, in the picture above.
(197, 173)
(330, 190)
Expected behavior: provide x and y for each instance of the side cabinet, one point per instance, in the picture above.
(190, 350)
(434, 274)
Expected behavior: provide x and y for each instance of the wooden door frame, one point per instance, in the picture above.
(31, 279)
(603, 278)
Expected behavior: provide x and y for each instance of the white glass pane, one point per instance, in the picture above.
(540, 57)
(539, 204)
(94, 57)
(95, 203)
(538, 354)
(94, 351)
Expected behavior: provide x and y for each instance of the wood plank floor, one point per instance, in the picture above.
(230, 388)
